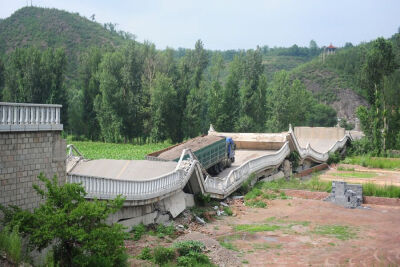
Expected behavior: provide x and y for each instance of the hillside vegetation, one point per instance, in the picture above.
(53, 28)
(115, 89)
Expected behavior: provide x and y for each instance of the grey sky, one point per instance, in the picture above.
(224, 24)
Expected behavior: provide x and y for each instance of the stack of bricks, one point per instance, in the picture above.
(23, 156)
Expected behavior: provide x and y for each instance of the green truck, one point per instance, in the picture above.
(213, 152)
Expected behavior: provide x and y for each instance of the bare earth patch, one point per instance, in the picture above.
(301, 232)
(376, 176)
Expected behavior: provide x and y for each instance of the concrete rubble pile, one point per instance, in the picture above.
(346, 195)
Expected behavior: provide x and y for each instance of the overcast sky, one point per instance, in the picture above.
(231, 24)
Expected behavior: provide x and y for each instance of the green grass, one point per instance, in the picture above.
(11, 244)
(391, 191)
(341, 168)
(253, 228)
(355, 174)
(341, 232)
(316, 184)
(374, 162)
(99, 150)
(228, 245)
(266, 246)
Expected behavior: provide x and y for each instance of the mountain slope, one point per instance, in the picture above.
(44, 27)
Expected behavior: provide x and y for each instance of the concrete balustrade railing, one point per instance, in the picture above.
(225, 186)
(309, 152)
(158, 187)
(29, 117)
(106, 188)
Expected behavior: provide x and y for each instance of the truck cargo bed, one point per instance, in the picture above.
(209, 150)
(194, 144)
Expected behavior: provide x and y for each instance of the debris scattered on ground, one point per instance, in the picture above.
(347, 195)
(200, 220)
(218, 254)
(224, 204)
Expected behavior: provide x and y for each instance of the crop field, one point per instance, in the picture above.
(100, 150)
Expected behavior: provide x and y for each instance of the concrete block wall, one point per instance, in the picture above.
(23, 156)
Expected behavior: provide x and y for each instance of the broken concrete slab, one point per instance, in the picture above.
(346, 195)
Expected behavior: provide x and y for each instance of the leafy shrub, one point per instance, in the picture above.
(202, 200)
(185, 247)
(228, 211)
(163, 230)
(138, 231)
(334, 158)
(246, 185)
(163, 255)
(74, 226)
(145, 254)
(194, 259)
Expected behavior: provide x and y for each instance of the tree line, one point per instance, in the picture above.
(139, 94)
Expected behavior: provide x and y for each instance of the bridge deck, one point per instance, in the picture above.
(243, 155)
(124, 169)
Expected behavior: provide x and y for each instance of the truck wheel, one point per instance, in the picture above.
(216, 168)
(221, 166)
(228, 163)
(233, 159)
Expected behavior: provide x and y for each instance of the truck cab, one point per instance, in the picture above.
(230, 149)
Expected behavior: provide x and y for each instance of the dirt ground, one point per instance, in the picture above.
(371, 236)
(382, 177)
(373, 239)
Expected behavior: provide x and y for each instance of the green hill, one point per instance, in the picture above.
(44, 27)
(333, 82)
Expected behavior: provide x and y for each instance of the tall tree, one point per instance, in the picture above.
(89, 82)
(33, 76)
(379, 64)
(163, 113)
(231, 96)
(1, 79)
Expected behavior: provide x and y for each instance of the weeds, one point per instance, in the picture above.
(266, 246)
(138, 231)
(145, 254)
(341, 168)
(391, 191)
(228, 211)
(11, 244)
(339, 231)
(355, 174)
(163, 231)
(184, 253)
(374, 162)
(163, 255)
(253, 228)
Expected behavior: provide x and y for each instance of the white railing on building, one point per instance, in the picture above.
(29, 117)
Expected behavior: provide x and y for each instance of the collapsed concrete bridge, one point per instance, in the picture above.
(152, 189)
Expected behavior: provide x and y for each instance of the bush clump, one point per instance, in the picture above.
(163, 255)
(184, 247)
(73, 226)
